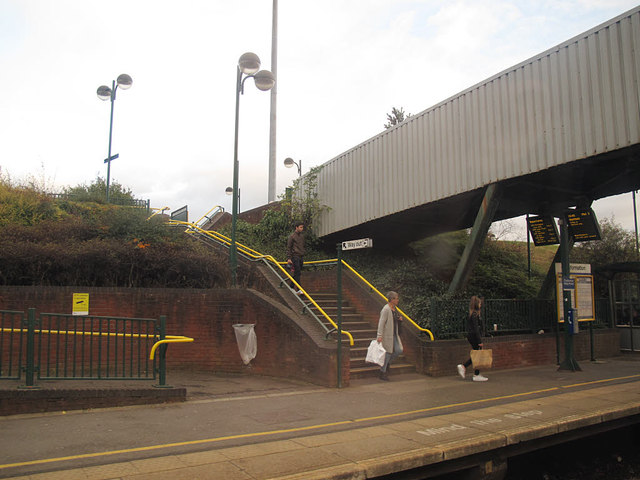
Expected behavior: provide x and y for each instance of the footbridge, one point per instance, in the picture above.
(556, 131)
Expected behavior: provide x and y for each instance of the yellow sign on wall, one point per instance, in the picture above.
(80, 304)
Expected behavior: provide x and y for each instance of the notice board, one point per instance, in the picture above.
(581, 291)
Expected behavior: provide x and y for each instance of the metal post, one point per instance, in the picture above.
(31, 351)
(569, 362)
(635, 221)
(162, 353)
(114, 87)
(528, 249)
(271, 194)
(593, 354)
(339, 315)
(233, 255)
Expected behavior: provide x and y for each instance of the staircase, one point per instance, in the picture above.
(363, 331)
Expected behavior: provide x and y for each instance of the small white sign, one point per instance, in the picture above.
(354, 244)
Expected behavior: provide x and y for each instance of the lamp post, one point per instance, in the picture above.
(290, 162)
(105, 93)
(229, 191)
(248, 67)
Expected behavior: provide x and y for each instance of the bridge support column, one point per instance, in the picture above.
(484, 218)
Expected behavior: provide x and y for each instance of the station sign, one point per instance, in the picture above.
(543, 230)
(355, 244)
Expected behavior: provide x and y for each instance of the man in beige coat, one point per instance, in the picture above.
(388, 332)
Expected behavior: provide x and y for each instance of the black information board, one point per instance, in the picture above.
(583, 225)
(543, 230)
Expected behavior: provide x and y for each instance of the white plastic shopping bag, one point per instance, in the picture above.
(375, 353)
(247, 341)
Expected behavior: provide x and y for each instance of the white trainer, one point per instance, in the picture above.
(479, 378)
(462, 371)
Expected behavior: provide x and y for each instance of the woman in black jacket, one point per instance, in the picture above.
(474, 335)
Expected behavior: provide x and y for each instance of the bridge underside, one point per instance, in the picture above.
(549, 191)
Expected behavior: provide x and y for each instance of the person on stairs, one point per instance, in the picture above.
(295, 254)
(388, 334)
(474, 336)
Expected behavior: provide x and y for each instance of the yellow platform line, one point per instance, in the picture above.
(307, 428)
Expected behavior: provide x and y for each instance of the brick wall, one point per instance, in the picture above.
(287, 347)
(440, 357)
(284, 348)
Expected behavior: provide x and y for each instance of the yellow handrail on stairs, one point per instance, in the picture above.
(366, 282)
(258, 256)
(385, 299)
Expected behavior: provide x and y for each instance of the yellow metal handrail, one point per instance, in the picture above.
(157, 211)
(366, 282)
(167, 339)
(385, 299)
(258, 256)
(206, 215)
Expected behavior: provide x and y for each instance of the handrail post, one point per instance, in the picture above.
(162, 351)
(31, 333)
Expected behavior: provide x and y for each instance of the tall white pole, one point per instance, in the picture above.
(271, 196)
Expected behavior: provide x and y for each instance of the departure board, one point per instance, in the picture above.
(583, 225)
(543, 230)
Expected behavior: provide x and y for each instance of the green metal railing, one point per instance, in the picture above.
(447, 317)
(125, 202)
(68, 347)
(12, 340)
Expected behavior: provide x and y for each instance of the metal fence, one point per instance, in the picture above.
(126, 202)
(447, 318)
(54, 346)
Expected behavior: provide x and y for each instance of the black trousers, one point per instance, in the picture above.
(297, 269)
(474, 346)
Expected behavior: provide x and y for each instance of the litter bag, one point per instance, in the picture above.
(375, 353)
(482, 359)
(247, 341)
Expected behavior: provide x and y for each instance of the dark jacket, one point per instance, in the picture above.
(295, 245)
(474, 330)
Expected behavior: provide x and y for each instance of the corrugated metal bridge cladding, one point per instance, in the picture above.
(560, 129)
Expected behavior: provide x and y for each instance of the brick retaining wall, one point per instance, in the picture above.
(284, 348)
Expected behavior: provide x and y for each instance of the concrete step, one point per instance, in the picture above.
(374, 370)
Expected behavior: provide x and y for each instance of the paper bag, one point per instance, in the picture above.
(482, 359)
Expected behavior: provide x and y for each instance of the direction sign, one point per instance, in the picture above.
(355, 244)
(112, 157)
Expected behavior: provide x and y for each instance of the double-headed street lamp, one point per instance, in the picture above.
(105, 93)
(248, 67)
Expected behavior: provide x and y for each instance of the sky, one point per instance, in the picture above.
(341, 67)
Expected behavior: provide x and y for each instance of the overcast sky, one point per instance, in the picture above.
(342, 66)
